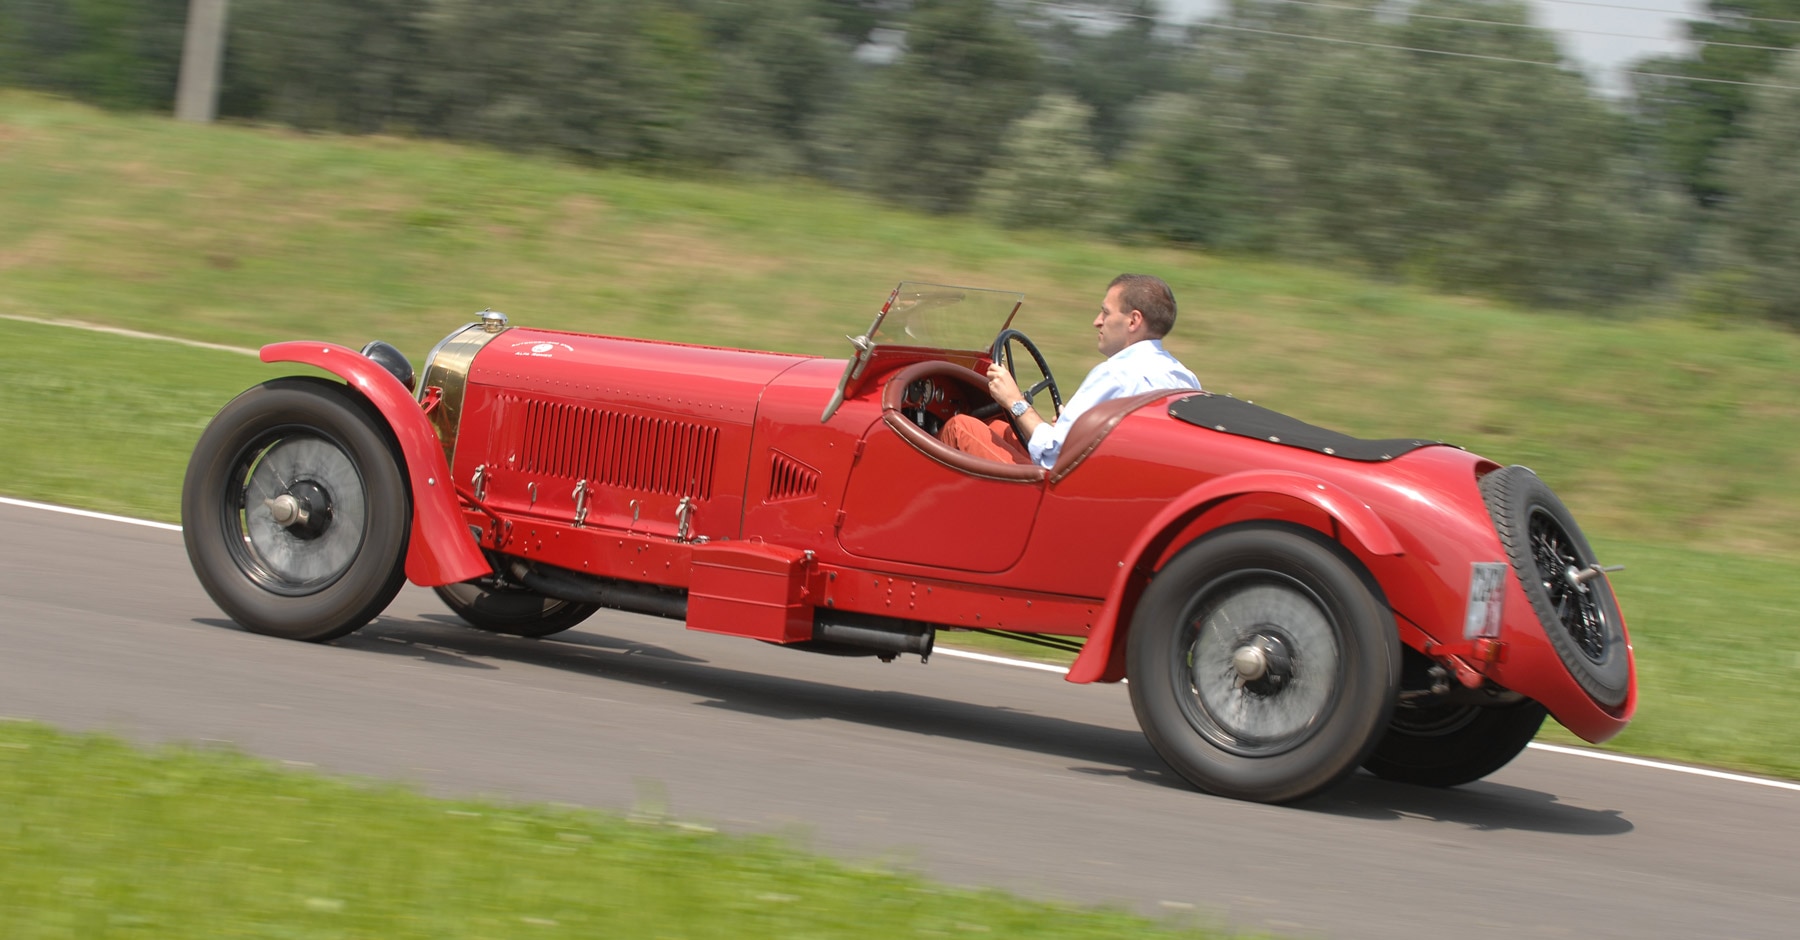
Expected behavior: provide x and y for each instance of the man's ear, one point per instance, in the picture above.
(1135, 321)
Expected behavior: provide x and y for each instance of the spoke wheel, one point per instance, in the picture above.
(295, 510)
(1262, 665)
(1554, 564)
(1577, 607)
(513, 611)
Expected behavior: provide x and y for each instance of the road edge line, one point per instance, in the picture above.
(88, 513)
(1660, 765)
(128, 334)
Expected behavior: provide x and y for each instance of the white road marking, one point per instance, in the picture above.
(88, 513)
(132, 334)
(1641, 762)
(1047, 667)
(999, 660)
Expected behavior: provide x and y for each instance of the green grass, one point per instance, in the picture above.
(200, 843)
(1675, 442)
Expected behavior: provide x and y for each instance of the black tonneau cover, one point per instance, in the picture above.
(1227, 414)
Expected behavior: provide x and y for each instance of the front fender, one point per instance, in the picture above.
(1101, 652)
(440, 550)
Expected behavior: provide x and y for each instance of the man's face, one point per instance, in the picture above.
(1117, 324)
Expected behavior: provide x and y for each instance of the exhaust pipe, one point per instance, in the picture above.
(618, 595)
(886, 636)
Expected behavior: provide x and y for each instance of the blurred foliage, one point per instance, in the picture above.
(1762, 218)
(1048, 174)
(1484, 163)
(113, 53)
(923, 129)
(1468, 172)
(1696, 119)
(1110, 55)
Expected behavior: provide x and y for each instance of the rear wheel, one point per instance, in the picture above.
(512, 611)
(1262, 666)
(295, 510)
(1450, 745)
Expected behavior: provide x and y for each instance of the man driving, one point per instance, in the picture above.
(1139, 310)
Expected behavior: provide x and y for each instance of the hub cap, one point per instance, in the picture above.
(297, 517)
(1259, 662)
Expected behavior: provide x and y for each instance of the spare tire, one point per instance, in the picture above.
(1548, 551)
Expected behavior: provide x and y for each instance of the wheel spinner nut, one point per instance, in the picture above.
(1250, 662)
(285, 509)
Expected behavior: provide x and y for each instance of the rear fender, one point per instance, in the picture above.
(1102, 657)
(440, 550)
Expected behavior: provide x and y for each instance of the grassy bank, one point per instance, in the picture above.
(1675, 442)
(202, 844)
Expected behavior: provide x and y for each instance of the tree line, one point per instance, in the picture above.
(1445, 142)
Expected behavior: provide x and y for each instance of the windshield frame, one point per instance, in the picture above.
(925, 318)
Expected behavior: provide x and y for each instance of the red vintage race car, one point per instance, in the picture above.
(1289, 603)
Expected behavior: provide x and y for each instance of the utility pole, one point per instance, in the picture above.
(202, 55)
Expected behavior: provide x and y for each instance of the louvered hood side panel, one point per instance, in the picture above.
(616, 431)
(606, 447)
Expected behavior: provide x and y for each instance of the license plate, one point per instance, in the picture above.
(1487, 594)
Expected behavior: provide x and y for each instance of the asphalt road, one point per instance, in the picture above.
(970, 772)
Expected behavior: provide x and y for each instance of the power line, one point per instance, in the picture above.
(1715, 81)
(1477, 55)
(1214, 24)
(1120, 14)
(1380, 45)
(1615, 6)
(1410, 14)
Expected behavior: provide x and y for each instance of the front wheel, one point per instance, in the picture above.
(513, 611)
(1262, 666)
(295, 510)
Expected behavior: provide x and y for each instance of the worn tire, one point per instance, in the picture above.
(1450, 745)
(512, 611)
(324, 576)
(1544, 544)
(1329, 645)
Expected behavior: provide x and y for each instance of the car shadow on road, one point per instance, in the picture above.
(1107, 750)
(1482, 805)
(1095, 750)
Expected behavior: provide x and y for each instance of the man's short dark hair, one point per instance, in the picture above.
(1150, 296)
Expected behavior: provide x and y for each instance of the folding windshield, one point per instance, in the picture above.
(934, 317)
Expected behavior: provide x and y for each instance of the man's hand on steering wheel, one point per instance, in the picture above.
(1003, 383)
(1004, 388)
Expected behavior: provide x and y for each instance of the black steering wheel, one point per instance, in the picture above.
(1003, 354)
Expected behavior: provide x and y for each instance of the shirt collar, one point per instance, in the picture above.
(1152, 347)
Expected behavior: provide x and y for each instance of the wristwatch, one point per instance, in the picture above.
(1019, 408)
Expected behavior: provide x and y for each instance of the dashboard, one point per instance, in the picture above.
(929, 402)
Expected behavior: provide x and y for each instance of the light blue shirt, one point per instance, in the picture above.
(1144, 366)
